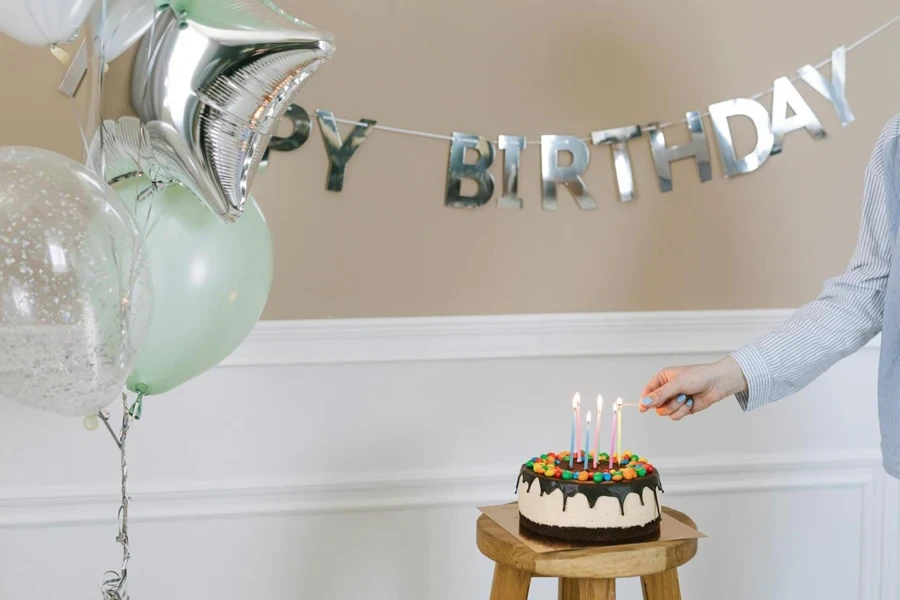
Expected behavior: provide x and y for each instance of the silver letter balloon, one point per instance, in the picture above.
(220, 76)
(75, 289)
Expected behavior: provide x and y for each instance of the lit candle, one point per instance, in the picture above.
(587, 442)
(612, 445)
(572, 440)
(619, 426)
(597, 431)
(578, 421)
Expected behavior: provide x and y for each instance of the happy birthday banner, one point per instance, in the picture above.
(789, 112)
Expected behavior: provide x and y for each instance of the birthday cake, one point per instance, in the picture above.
(589, 502)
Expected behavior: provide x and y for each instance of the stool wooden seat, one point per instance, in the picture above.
(586, 574)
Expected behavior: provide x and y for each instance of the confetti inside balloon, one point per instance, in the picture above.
(75, 289)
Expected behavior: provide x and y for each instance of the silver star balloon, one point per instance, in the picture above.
(217, 77)
(127, 148)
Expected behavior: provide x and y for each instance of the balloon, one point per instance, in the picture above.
(75, 287)
(211, 282)
(126, 21)
(129, 148)
(221, 76)
(43, 22)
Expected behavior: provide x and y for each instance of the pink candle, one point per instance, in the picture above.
(572, 440)
(612, 446)
(597, 431)
(578, 421)
(587, 442)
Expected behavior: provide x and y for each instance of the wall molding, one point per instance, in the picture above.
(340, 341)
(282, 344)
(374, 491)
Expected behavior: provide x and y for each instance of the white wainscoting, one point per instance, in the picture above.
(345, 459)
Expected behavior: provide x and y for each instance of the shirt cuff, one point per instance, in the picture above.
(759, 380)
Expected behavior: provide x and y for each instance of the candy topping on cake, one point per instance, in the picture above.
(630, 466)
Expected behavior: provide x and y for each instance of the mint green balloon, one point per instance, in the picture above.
(211, 282)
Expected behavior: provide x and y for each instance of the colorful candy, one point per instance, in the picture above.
(626, 467)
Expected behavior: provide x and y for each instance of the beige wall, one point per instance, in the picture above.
(387, 246)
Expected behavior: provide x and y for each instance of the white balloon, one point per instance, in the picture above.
(43, 22)
(126, 22)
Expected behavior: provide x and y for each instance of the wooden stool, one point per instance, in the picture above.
(588, 574)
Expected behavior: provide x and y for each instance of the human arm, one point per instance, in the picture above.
(846, 315)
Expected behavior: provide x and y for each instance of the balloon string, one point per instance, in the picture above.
(81, 128)
(115, 583)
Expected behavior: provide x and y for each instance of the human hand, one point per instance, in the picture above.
(679, 391)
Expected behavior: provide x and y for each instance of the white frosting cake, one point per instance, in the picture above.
(547, 509)
(585, 504)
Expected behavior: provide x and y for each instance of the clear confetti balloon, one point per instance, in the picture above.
(75, 289)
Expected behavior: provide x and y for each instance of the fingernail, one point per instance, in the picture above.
(646, 401)
(681, 398)
(690, 403)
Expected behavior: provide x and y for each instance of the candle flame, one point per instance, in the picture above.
(619, 402)
(589, 417)
(599, 403)
(576, 400)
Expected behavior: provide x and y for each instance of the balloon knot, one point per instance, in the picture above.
(61, 55)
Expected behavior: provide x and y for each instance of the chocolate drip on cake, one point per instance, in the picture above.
(591, 490)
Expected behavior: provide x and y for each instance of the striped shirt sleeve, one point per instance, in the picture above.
(842, 319)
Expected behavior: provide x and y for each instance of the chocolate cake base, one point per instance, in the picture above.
(640, 533)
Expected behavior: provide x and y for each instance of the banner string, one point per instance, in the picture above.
(447, 138)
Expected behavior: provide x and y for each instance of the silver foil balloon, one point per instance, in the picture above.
(219, 77)
(697, 148)
(339, 151)
(719, 114)
(75, 287)
(836, 89)
(458, 169)
(121, 150)
(785, 96)
(512, 146)
(553, 174)
(618, 140)
(127, 148)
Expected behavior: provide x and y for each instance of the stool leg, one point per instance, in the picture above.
(510, 583)
(661, 586)
(587, 589)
